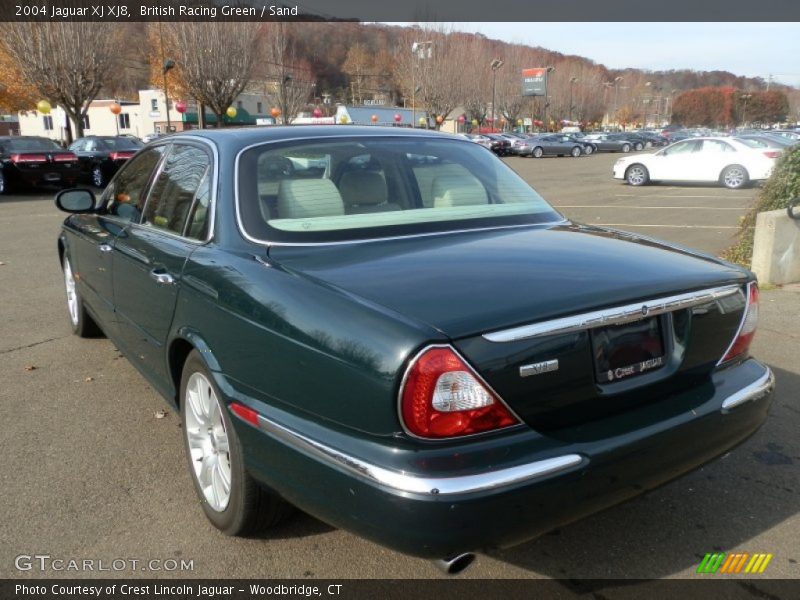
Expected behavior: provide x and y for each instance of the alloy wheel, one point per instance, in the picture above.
(97, 177)
(637, 175)
(537, 152)
(734, 177)
(208, 441)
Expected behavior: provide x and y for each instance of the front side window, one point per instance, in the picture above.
(360, 188)
(125, 195)
(174, 191)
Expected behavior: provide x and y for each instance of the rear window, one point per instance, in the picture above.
(373, 187)
(122, 143)
(31, 145)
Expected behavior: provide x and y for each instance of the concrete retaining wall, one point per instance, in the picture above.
(776, 248)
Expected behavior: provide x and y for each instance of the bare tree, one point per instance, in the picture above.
(67, 62)
(215, 60)
(430, 68)
(290, 80)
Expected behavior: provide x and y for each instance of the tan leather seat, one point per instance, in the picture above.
(365, 192)
(308, 198)
(451, 190)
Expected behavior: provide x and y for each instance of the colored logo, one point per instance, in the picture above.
(737, 562)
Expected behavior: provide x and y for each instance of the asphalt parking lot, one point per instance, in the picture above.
(93, 470)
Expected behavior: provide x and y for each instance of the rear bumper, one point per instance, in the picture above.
(431, 501)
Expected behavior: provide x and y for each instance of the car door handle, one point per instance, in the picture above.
(162, 277)
(105, 248)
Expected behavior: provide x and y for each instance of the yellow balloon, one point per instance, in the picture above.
(343, 119)
(231, 112)
(43, 106)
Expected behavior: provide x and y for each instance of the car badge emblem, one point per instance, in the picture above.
(645, 311)
(538, 368)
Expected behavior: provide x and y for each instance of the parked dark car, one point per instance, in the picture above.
(652, 139)
(499, 144)
(27, 161)
(102, 156)
(554, 144)
(391, 330)
(608, 142)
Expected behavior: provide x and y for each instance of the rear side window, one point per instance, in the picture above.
(32, 145)
(125, 195)
(173, 194)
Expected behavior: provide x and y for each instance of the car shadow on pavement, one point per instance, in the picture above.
(719, 507)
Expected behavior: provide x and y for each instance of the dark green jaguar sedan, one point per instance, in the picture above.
(392, 331)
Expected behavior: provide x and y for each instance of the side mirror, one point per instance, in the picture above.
(76, 200)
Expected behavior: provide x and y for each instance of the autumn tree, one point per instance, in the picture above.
(357, 67)
(289, 78)
(66, 62)
(15, 92)
(214, 60)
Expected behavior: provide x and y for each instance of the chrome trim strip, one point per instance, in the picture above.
(401, 481)
(616, 315)
(755, 391)
(269, 243)
(741, 323)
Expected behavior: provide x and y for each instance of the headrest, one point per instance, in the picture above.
(306, 198)
(363, 188)
(464, 190)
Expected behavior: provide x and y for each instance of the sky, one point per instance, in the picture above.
(749, 49)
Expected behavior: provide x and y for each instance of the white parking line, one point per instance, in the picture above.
(668, 226)
(729, 197)
(648, 207)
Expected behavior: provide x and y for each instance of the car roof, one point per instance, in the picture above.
(247, 136)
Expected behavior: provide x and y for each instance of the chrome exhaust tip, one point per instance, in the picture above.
(455, 564)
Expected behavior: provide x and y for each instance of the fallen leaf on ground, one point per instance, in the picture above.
(89, 379)
(160, 414)
(31, 367)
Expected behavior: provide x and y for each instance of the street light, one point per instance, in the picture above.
(546, 98)
(417, 51)
(284, 100)
(745, 98)
(168, 65)
(616, 92)
(571, 83)
(496, 64)
(657, 90)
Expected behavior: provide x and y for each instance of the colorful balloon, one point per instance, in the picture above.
(439, 119)
(180, 106)
(398, 117)
(316, 113)
(275, 112)
(374, 118)
(43, 106)
(231, 112)
(115, 108)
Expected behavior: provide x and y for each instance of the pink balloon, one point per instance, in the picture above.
(398, 117)
(317, 113)
(180, 106)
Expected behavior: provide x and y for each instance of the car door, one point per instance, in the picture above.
(94, 234)
(150, 255)
(711, 158)
(674, 163)
(79, 149)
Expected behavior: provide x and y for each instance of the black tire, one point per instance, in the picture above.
(734, 177)
(626, 148)
(588, 150)
(576, 152)
(82, 323)
(250, 508)
(637, 174)
(5, 185)
(98, 177)
(537, 152)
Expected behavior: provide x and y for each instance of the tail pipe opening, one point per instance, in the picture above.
(455, 564)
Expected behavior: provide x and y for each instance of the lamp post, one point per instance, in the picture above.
(572, 81)
(417, 51)
(744, 98)
(546, 98)
(168, 65)
(284, 99)
(616, 93)
(657, 90)
(495, 64)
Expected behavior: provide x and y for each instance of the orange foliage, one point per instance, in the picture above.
(15, 93)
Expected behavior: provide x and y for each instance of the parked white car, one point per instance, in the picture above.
(705, 159)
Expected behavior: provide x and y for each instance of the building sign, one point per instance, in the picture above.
(375, 102)
(534, 82)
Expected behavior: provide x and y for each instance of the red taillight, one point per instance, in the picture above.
(245, 413)
(443, 397)
(64, 158)
(120, 155)
(772, 153)
(747, 327)
(28, 158)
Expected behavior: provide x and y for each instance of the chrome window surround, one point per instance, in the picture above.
(212, 200)
(270, 243)
(616, 315)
